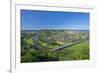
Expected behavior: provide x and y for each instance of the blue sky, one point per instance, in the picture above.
(36, 20)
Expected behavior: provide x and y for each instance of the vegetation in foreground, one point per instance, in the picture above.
(31, 51)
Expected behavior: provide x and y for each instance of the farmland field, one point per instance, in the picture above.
(54, 45)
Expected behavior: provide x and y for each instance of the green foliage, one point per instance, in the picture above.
(39, 50)
(26, 56)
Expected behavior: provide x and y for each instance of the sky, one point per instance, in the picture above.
(37, 20)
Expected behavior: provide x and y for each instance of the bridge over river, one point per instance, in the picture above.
(62, 47)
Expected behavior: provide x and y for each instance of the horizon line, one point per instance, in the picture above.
(54, 29)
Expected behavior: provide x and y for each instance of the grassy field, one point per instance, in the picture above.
(79, 51)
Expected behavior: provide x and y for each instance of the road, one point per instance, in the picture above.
(62, 47)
